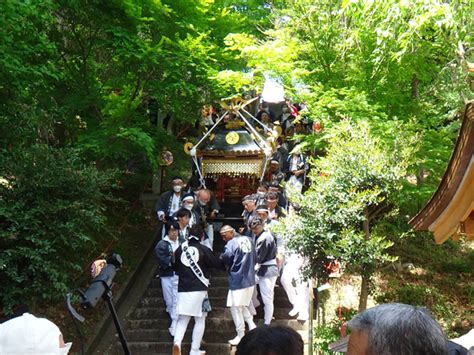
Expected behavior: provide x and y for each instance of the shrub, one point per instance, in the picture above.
(52, 209)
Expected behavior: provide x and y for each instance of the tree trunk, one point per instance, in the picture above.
(364, 287)
(364, 293)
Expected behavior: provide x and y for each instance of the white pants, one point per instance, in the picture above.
(198, 331)
(296, 287)
(288, 276)
(267, 291)
(210, 233)
(169, 286)
(240, 316)
(295, 184)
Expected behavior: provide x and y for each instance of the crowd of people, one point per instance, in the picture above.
(253, 255)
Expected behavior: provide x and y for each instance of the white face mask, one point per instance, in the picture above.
(188, 207)
(202, 203)
(177, 188)
(66, 349)
(260, 193)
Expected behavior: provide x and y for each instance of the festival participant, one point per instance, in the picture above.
(274, 175)
(183, 217)
(274, 210)
(262, 190)
(192, 263)
(169, 202)
(207, 208)
(266, 119)
(188, 203)
(262, 212)
(164, 252)
(286, 117)
(267, 270)
(282, 150)
(296, 288)
(295, 169)
(248, 214)
(276, 188)
(239, 257)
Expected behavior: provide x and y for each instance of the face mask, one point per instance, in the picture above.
(188, 207)
(202, 203)
(66, 349)
(177, 188)
(260, 194)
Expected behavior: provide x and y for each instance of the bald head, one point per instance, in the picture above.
(204, 196)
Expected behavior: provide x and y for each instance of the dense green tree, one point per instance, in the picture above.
(352, 188)
(52, 212)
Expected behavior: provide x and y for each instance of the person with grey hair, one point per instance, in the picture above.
(396, 329)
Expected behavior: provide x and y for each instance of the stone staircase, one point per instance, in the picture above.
(146, 324)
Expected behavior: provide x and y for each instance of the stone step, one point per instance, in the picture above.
(210, 335)
(211, 323)
(165, 348)
(220, 301)
(214, 291)
(217, 312)
(220, 281)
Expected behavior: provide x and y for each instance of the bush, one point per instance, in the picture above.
(412, 294)
(325, 334)
(52, 210)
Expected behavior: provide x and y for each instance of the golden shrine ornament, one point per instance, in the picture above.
(232, 138)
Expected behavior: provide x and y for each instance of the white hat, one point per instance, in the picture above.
(28, 334)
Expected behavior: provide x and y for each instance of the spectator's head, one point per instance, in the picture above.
(172, 229)
(249, 203)
(188, 201)
(183, 216)
(271, 340)
(196, 232)
(28, 334)
(272, 200)
(395, 329)
(177, 184)
(204, 196)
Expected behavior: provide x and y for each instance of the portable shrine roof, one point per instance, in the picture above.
(450, 212)
(229, 142)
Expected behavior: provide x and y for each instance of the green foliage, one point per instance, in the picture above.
(421, 295)
(355, 184)
(327, 333)
(411, 294)
(52, 210)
